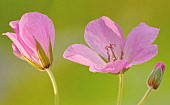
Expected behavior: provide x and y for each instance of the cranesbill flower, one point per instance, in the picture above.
(109, 52)
(33, 39)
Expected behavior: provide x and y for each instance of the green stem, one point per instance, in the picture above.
(145, 96)
(120, 89)
(56, 95)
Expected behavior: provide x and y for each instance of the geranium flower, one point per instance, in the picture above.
(109, 52)
(33, 39)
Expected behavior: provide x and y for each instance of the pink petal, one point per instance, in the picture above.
(15, 26)
(138, 48)
(144, 54)
(17, 43)
(102, 32)
(161, 65)
(16, 51)
(19, 47)
(38, 26)
(83, 55)
(17, 39)
(112, 67)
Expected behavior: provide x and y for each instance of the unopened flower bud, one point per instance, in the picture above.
(156, 75)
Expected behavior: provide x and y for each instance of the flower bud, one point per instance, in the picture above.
(156, 75)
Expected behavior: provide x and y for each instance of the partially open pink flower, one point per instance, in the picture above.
(33, 39)
(109, 52)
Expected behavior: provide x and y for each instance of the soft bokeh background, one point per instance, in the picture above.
(22, 84)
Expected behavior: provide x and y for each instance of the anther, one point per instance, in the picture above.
(112, 45)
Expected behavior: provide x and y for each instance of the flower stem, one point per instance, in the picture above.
(120, 89)
(56, 95)
(145, 96)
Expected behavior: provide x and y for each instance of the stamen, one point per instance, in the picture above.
(121, 57)
(107, 49)
(112, 45)
(111, 49)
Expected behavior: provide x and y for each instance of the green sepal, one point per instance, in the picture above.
(33, 63)
(51, 52)
(42, 56)
(155, 78)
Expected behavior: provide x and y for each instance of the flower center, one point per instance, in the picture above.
(110, 49)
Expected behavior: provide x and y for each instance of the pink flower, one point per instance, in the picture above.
(33, 39)
(109, 52)
(156, 76)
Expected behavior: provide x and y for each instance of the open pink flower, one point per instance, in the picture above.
(33, 39)
(109, 52)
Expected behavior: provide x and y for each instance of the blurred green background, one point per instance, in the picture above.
(22, 84)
